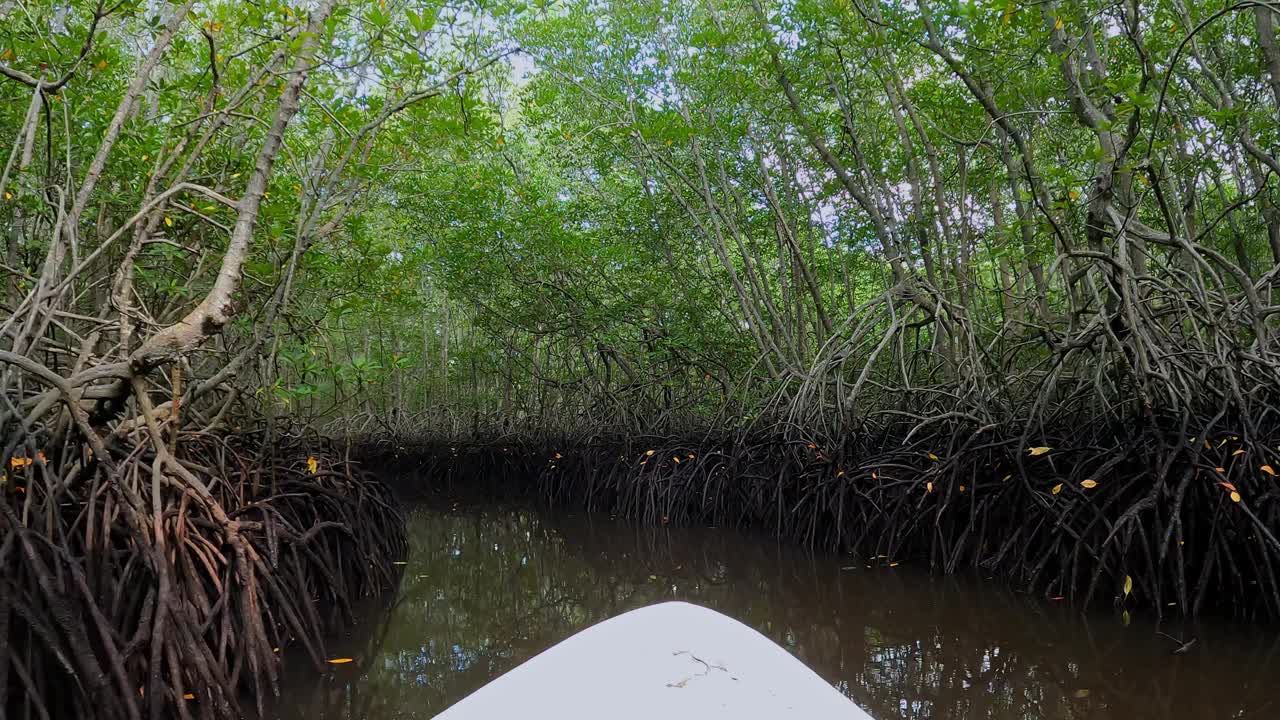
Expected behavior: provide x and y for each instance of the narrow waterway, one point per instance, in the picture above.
(485, 590)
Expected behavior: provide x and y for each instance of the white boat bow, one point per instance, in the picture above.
(670, 661)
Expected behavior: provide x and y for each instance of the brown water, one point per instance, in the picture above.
(484, 591)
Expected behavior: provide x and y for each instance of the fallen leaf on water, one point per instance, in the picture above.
(1037, 451)
(1089, 484)
(1128, 585)
(339, 661)
(1057, 489)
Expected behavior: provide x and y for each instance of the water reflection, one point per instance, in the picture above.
(484, 591)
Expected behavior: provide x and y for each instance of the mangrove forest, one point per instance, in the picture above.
(982, 290)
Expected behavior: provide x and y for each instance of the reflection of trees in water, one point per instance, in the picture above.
(483, 593)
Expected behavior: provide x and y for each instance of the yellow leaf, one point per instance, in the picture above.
(189, 696)
(932, 456)
(8, 195)
(1125, 618)
(928, 487)
(1057, 489)
(145, 157)
(1005, 478)
(676, 458)
(1128, 585)
(1037, 451)
(1074, 194)
(1081, 693)
(102, 65)
(1009, 9)
(1238, 452)
(558, 456)
(339, 661)
(501, 142)
(1057, 25)
(1268, 470)
(962, 488)
(1089, 484)
(648, 453)
(1235, 497)
(893, 564)
(7, 54)
(168, 222)
(312, 465)
(399, 562)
